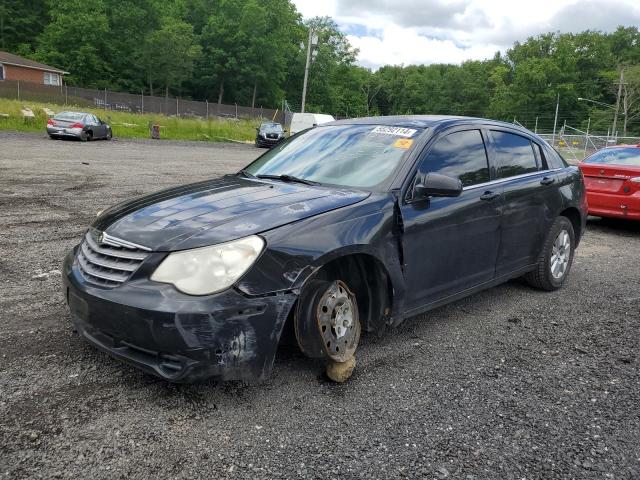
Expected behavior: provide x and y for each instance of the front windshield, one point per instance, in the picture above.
(271, 128)
(616, 156)
(349, 155)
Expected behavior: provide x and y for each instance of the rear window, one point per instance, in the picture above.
(69, 116)
(514, 154)
(616, 156)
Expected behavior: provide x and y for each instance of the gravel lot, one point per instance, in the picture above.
(509, 383)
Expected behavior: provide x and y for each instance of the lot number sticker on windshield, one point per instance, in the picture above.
(397, 131)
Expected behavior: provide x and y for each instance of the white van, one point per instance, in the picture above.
(302, 121)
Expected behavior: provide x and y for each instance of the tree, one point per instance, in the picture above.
(168, 54)
(75, 40)
(630, 96)
(21, 21)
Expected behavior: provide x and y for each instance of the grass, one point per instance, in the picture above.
(132, 125)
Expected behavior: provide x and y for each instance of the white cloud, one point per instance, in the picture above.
(434, 31)
(405, 46)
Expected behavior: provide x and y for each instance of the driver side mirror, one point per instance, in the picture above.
(436, 185)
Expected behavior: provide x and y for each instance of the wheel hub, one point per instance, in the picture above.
(560, 255)
(338, 322)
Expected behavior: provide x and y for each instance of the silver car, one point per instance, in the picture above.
(82, 125)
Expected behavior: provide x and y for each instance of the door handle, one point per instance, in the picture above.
(547, 181)
(489, 195)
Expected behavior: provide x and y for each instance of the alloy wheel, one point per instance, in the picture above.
(560, 254)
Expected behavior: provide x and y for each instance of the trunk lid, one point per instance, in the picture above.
(604, 178)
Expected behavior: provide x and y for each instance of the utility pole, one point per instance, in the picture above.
(555, 121)
(312, 41)
(615, 118)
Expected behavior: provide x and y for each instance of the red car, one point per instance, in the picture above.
(612, 180)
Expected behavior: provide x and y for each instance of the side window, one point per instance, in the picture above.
(461, 155)
(514, 154)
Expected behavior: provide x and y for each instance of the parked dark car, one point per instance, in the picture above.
(351, 226)
(269, 134)
(81, 125)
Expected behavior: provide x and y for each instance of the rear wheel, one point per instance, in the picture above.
(554, 262)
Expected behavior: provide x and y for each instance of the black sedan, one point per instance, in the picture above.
(269, 134)
(350, 227)
(80, 125)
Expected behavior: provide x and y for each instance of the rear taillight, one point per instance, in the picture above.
(51, 122)
(77, 125)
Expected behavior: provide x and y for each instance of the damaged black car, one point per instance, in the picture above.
(346, 228)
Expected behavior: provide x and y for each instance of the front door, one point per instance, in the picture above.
(99, 130)
(451, 244)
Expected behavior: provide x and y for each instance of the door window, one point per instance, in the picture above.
(460, 155)
(514, 154)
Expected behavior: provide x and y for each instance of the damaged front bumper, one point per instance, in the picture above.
(179, 337)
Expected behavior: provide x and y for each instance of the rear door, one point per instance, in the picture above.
(530, 191)
(451, 244)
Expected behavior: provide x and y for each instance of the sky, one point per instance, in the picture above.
(395, 32)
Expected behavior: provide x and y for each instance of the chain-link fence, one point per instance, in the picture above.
(127, 102)
(575, 145)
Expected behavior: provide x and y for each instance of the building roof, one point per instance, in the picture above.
(11, 59)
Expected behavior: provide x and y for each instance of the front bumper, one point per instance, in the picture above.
(262, 141)
(178, 337)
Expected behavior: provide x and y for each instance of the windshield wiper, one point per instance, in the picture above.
(288, 178)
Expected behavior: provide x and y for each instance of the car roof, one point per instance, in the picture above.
(420, 121)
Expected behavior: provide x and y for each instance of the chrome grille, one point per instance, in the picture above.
(108, 264)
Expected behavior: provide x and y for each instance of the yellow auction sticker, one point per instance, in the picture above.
(403, 143)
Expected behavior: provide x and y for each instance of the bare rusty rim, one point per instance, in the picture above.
(338, 321)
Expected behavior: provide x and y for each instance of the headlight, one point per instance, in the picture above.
(206, 270)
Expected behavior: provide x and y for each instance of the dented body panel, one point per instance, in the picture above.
(151, 326)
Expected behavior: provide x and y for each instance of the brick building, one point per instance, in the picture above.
(13, 67)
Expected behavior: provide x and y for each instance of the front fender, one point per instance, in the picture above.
(295, 251)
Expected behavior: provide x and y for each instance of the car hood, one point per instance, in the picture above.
(216, 211)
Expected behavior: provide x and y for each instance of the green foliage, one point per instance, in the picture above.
(168, 54)
(20, 22)
(133, 125)
(253, 52)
